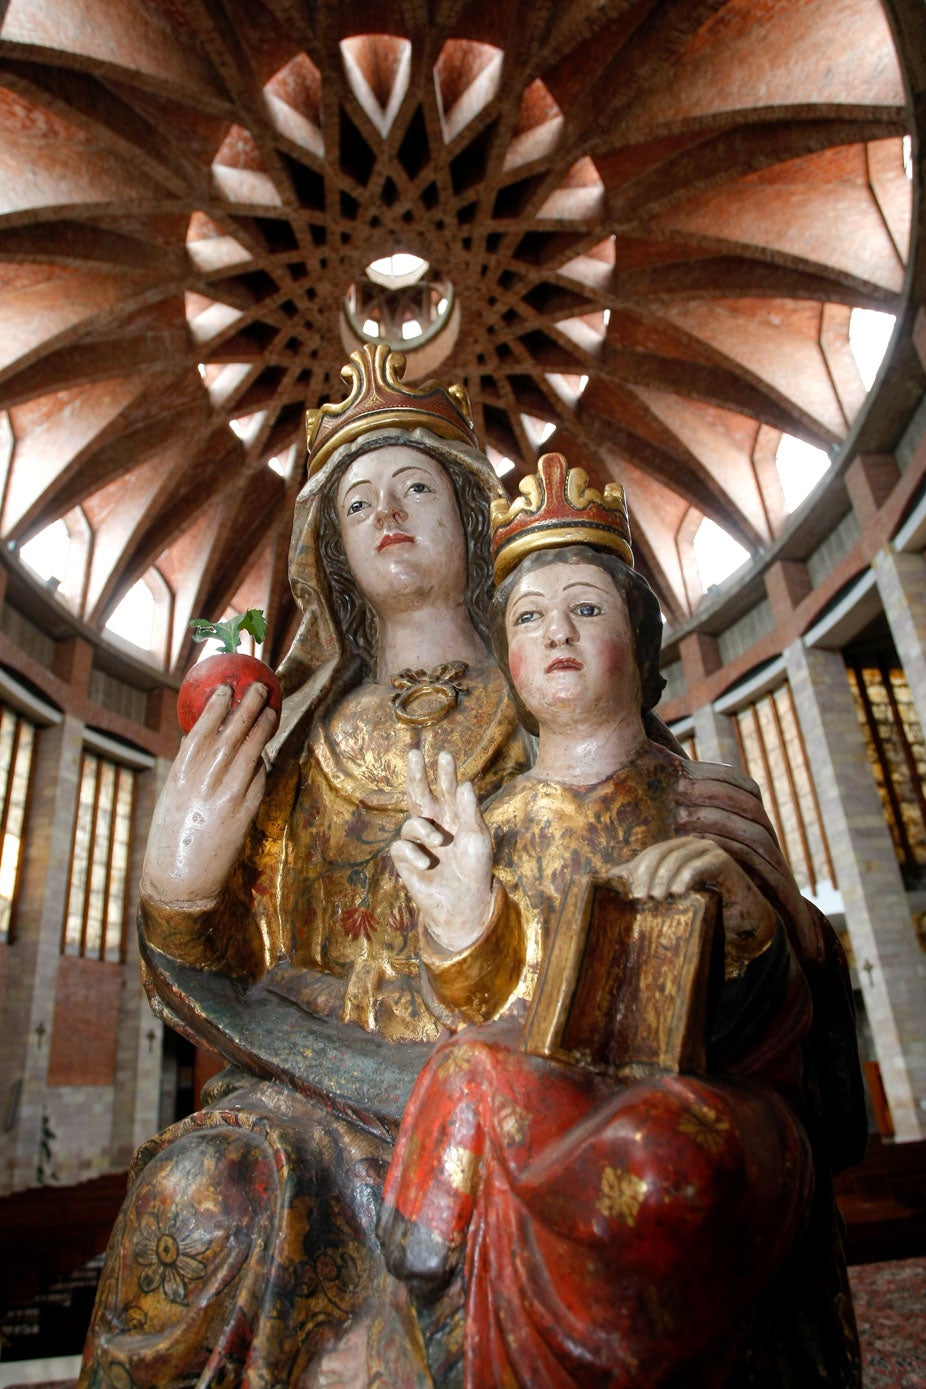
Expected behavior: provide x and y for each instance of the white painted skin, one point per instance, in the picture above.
(572, 661)
(404, 543)
(209, 799)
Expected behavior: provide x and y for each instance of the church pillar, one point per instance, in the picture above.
(901, 582)
(891, 967)
(715, 738)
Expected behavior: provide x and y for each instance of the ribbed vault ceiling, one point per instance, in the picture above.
(679, 200)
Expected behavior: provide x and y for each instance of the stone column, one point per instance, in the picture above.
(25, 1031)
(902, 585)
(715, 737)
(138, 1062)
(891, 966)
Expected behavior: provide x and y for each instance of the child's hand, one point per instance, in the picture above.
(444, 854)
(680, 865)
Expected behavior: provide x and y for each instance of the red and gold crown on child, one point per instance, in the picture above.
(377, 399)
(557, 507)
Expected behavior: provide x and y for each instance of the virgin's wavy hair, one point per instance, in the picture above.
(356, 618)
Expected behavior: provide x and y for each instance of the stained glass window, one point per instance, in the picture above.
(98, 882)
(17, 740)
(773, 753)
(897, 754)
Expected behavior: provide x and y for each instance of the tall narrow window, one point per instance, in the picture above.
(17, 738)
(98, 882)
(773, 753)
(897, 754)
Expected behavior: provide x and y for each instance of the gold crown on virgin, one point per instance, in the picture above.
(377, 399)
(557, 507)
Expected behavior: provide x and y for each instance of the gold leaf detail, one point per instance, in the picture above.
(621, 1195)
(705, 1126)
(457, 1059)
(512, 1121)
(460, 1168)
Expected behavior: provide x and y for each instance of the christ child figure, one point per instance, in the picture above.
(601, 1224)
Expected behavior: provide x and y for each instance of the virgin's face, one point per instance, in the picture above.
(401, 529)
(570, 646)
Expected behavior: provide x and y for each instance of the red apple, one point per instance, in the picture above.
(232, 668)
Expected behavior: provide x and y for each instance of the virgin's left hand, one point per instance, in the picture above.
(681, 865)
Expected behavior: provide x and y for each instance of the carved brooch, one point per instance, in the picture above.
(424, 697)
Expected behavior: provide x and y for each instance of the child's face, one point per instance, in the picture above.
(570, 646)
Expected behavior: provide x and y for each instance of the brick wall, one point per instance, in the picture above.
(84, 1033)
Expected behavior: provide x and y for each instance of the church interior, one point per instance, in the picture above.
(679, 241)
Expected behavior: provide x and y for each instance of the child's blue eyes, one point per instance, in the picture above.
(579, 610)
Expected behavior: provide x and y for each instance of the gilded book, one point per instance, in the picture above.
(624, 984)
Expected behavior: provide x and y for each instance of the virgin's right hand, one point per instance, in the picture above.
(210, 797)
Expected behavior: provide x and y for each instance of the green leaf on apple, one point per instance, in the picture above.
(229, 632)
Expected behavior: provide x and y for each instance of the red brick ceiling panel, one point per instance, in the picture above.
(755, 54)
(41, 313)
(710, 437)
(654, 215)
(182, 565)
(146, 39)
(779, 210)
(117, 516)
(54, 434)
(770, 345)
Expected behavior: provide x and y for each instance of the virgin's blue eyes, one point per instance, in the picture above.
(362, 503)
(587, 609)
(527, 616)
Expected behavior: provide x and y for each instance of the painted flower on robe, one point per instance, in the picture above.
(357, 922)
(402, 919)
(458, 1058)
(169, 1260)
(513, 1121)
(621, 1195)
(706, 1127)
